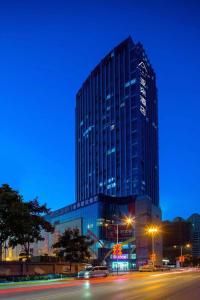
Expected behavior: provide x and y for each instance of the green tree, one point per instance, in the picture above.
(9, 203)
(30, 225)
(73, 247)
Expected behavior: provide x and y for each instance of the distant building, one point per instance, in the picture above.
(195, 223)
(177, 239)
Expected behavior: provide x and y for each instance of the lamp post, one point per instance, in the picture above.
(128, 221)
(181, 259)
(152, 231)
(117, 244)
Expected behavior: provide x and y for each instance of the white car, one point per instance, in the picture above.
(91, 272)
(151, 268)
(147, 268)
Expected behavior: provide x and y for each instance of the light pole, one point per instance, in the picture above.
(152, 231)
(181, 259)
(128, 221)
(117, 244)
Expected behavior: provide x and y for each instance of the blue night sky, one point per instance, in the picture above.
(47, 50)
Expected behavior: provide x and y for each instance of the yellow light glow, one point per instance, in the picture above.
(129, 220)
(152, 229)
(188, 246)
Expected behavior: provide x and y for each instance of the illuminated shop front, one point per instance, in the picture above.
(124, 262)
(122, 265)
(101, 217)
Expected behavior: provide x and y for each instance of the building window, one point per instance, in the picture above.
(130, 82)
(110, 151)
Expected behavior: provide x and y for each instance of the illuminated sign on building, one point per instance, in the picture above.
(143, 103)
(122, 256)
(117, 250)
(124, 232)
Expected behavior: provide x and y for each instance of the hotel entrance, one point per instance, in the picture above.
(122, 266)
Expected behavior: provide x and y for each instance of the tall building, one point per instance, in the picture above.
(194, 219)
(116, 160)
(117, 127)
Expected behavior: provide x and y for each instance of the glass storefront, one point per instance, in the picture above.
(122, 266)
(90, 216)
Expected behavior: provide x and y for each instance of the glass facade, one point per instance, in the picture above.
(117, 127)
(98, 217)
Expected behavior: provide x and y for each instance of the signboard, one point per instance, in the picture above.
(181, 259)
(122, 256)
(124, 232)
(143, 87)
(117, 250)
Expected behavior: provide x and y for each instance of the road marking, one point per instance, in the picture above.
(174, 272)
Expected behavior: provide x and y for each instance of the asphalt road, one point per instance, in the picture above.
(138, 286)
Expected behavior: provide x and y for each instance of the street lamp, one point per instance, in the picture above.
(181, 258)
(153, 230)
(130, 221)
(127, 220)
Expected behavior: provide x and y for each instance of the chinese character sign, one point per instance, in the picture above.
(117, 250)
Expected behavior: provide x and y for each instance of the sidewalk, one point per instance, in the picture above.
(13, 284)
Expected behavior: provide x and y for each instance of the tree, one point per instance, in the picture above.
(9, 201)
(73, 247)
(30, 225)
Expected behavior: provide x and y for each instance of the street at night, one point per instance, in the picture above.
(170, 285)
(99, 150)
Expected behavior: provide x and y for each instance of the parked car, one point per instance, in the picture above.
(147, 268)
(23, 257)
(91, 272)
(151, 268)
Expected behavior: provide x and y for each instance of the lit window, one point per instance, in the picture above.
(108, 96)
(110, 151)
(143, 110)
(128, 83)
(85, 133)
(143, 100)
(112, 185)
(143, 81)
(111, 179)
(142, 90)
(133, 81)
(112, 127)
(90, 226)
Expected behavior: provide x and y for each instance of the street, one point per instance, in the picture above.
(182, 285)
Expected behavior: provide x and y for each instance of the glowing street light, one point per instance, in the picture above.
(129, 220)
(181, 257)
(153, 230)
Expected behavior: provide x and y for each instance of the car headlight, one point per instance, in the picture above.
(87, 274)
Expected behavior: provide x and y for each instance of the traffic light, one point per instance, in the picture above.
(117, 249)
